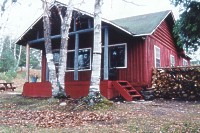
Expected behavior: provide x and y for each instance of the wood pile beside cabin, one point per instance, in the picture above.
(178, 82)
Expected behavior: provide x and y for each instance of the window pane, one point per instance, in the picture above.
(172, 61)
(70, 60)
(185, 63)
(117, 56)
(157, 56)
(157, 53)
(157, 62)
(56, 57)
(83, 59)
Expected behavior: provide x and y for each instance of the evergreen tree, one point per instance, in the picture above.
(187, 28)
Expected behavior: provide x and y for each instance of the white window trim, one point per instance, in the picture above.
(118, 44)
(90, 60)
(125, 60)
(172, 64)
(156, 47)
(185, 62)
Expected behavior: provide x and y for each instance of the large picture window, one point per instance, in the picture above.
(157, 56)
(117, 56)
(84, 59)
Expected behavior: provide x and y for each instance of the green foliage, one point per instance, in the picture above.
(22, 62)
(183, 3)
(23, 75)
(34, 58)
(7, 57)
(8, 76)
(11, 73)
(103, 104)
(187, 28)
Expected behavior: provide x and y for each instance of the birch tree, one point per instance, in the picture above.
(19, 56)
(3, 19)
(2, 10)
(48, 48)
(65, 26)
(94, 89)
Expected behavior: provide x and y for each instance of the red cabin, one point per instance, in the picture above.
(131, 48)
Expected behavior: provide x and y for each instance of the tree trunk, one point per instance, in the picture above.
(1, 45)
(96, 61)
(2, 25)
(65, 26)
(48, 49)
(15, 48)
(19, 56)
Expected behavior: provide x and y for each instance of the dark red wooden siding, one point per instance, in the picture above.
(140, 53)
(136, 63)
(162, 38)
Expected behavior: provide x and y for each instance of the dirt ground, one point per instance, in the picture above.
(22, 115)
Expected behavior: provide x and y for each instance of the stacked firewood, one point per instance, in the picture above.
(178, 82)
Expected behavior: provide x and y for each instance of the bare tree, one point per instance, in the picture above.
(58, 81)
(2, 10)
(96, 61)
(19, 56)
(48, 48)
(3, 20)
(65, 26)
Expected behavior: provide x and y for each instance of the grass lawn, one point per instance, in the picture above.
(23, 115)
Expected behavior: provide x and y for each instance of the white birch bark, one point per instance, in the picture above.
(96, 61)
(48, 49)
(1, 45)
(2, 23)
(15, 46)
(1, 35)
(65, 26)
(19, 56)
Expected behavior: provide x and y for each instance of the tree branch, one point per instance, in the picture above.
(131, 2)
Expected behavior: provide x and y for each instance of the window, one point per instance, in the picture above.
(117, 56)
(185, 63)
(56, 56)
(172, 61)
(84, 59)
(157, 56)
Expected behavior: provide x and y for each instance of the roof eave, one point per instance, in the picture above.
(113, 24)
(29, 28)
(145, 34)
(170, 12)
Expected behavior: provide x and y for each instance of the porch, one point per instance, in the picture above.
(77, 89)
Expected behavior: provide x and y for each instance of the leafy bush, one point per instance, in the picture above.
(8, 76)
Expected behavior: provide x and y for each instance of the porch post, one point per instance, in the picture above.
(106, 54)
(76, 52)
(27, 61)
(44, 63)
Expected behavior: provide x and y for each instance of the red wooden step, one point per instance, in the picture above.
(126, 90)
(135, 96)
(131, 91)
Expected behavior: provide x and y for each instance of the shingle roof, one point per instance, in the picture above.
(142, 24)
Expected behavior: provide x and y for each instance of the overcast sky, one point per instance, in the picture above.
(23, 13)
